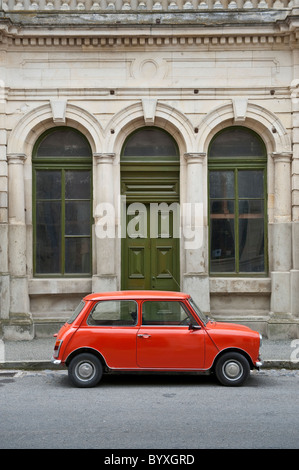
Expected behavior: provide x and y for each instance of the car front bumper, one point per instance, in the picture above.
(258, 364)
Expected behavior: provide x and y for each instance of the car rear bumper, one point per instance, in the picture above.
(55, 361)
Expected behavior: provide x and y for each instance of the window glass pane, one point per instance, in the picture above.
(165, 313)
(251, 183)
(77, 184)
(222, 208)
(251, 245)
(77, 218)
(251, 209)
(237, 142)
(251, 235)
(114, 313)
(64, 143)
(222, 184)
(150, 143)
(77, 255)
(48, 184)
(48, 237)
(222, 229)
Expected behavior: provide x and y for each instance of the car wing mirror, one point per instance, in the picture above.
(194, 327)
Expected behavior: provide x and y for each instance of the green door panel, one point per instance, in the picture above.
(150, 251)
(149, 262)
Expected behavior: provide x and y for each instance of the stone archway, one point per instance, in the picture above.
(279, 157)
(19, 151)
(38, 120)
(259, 119)
(150, 173)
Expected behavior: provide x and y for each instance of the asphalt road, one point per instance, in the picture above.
(41, 410)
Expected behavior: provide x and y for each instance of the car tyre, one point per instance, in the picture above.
(85, 370)
(232, 369)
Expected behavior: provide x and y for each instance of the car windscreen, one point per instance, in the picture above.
(199, 313)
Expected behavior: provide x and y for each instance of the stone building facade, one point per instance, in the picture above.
(109, 109)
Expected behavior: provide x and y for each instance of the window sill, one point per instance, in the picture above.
(221, 285)
(59, 286)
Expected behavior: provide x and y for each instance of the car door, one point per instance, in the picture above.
(111, 329)
(169, 337)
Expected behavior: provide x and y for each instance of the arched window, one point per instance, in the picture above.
(62, 194)
(150, 142)
(237, 197)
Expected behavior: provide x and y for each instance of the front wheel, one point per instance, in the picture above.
(232, 369)
(85, 370)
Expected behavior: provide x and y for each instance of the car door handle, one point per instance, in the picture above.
(144, 336)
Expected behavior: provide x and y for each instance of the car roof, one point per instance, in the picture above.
(138, 294)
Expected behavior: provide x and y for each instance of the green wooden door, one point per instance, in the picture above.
(150, 262)
(150, 174)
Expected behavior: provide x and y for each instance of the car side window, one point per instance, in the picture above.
(170, 313)
(113, 313)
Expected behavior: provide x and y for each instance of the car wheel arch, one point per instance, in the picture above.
(232, 350)
(86, 350)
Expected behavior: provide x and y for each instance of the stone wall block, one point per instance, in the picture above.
(280, 299)
(282, 246)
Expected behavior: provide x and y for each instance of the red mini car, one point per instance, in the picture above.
(152, 331)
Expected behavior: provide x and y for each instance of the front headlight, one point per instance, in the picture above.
(261, 340)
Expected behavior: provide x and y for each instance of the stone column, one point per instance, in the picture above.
(20, 322)
(4, 275)
(195, 232)
(104, 215)
(295, 200)
(281, 240)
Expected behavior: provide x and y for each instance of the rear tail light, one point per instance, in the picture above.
(57, 347)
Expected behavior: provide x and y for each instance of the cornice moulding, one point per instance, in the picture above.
(66, 6)
(271, 28)
(88, 39)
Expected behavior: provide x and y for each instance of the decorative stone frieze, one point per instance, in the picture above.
(152, 41)
(142, 5)
(78, 24)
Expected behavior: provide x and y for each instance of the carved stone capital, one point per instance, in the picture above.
(101, 158)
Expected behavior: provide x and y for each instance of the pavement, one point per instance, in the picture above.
(36, 354)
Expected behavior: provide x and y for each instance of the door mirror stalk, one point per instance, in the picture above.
(194, 327)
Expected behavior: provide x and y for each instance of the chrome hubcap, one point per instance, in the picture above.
(85, 370)
(232, 370)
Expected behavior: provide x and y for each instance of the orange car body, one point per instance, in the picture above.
(194, 345)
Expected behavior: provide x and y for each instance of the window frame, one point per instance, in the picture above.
(62, 164)
(237, 164)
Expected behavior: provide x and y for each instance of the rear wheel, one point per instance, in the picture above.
(85, 370)
(232, 369)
